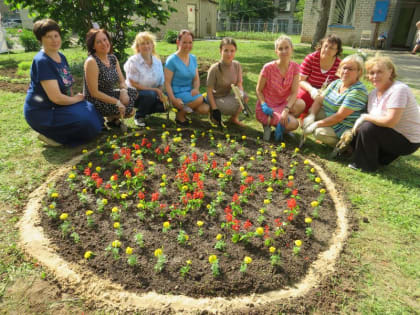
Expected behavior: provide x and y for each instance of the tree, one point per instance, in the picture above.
(116, 16)
(298, 14)
(321, 26)
(245, 10)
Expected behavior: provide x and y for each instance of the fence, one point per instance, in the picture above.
(281, 26)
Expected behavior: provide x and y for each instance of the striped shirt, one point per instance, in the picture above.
(354, 98)
(311, 67)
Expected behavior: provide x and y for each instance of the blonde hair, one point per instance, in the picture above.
(382, 60)
(282, 38)
(352, 58)
(144, 37)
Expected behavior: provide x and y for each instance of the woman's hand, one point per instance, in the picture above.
(195, 92)
(178, 103)
(284, 117)
(124, 97)
(159, 93)
(79, 97)
(121, 109)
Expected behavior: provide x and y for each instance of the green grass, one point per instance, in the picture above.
(381, 257)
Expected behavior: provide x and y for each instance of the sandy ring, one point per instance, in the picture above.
(107, 294)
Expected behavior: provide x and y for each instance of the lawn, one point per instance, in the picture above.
(378, 271)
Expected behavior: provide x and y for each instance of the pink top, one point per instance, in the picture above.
(311, 67)
(277, 88)
(398, 95)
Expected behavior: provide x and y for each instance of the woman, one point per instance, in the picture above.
(392, 126)
(182, 81)
(277, 89)
(318, 69)
(51, 108)
(145, 73)
(104, 82)
(220, 77)
(342, 103)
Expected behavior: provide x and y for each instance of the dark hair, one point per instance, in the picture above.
(44, 26)
(183, 32)
(228, 41)
(332, 39)
(91, 37)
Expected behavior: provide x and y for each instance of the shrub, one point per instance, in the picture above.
(170, 36)
(23, 68)
(9, 42)
(29, 41)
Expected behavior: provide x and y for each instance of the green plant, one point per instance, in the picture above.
(9, 42)
(170, 36)
(29, 41)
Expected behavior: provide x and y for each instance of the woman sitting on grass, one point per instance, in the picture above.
(391, 127)
(277, 89)
(337, 109)
(50, 107)
(145, 73)
(220, 77)
(105, 84)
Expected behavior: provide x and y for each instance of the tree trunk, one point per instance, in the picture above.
(321, 26)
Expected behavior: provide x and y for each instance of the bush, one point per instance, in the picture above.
(170, 36)
(29, 41)
(9, 42)
(23, 68)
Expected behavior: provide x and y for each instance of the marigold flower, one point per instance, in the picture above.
(188, 262)
(158, 252)
(244, 174)
(291, 177)
(116, 244)
(322, 191)
(219, 193)
(98, 168)
(306, 162)
(297, 150)
(273, 161)
(274, 168)
(212, 259)
(88, 254)
(283, 145)
(241, 169)
(247, 260)
(166, 224)
(312, 170)
(267, 201)
(200, 223)
(221, 175)
(219, 237)
(259, 152)
(104, 201)
(262, 210)
(314, 203)
(51, 206)
(243, 137)
(115, 210)
(308, 220)
(124, 196)
(54, 195)
(228, 163)
(72, 176)
(252, 158)
(211, 153)
(169, 160)
(259, 231)
(128, 250)
(84, 151)
(64, 216)
(116, 225)
(89, 212)
(298, 243)
(317, 180)
(272, 249)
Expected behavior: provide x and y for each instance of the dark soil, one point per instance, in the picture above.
(260, 277)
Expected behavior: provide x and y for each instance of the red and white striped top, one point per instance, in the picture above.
(311, 68)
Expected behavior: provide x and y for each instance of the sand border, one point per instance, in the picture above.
(103, 293)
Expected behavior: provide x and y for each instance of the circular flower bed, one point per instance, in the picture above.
(191, 212)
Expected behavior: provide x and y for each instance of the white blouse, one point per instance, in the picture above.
(136, 69)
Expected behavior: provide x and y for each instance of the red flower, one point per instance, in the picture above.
(149, 145)
(228, 210)
(144, 142)
(162, 205)
(280, 174)
(157, 151)
(108, 186)
(261, 178)
(229, 217)
(290, 184)
(291, 203)
(187, 161)
(196, 177)
(127, 174)
(294, 192)
(99, 182)
(114, 177)
(273, 174)
(194, 157)
(166, 150)
(116, 156)
(229, 172)
(198, 194)
(278, 222)
(87, 171)
(136, 170)
(235, 198)
(205, 157)
(247, 224)
(290, 217)
(266, 231)
(136, 146)
(250, 179)
(141, 195)
(155, 196)
(95, 176)
(214, 164)
(200, 185)
(236, 226)
(242, 189)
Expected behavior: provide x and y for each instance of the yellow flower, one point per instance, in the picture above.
(306, 162)
(267, 201)
(185, 187)
(244, 174)
(291, 177)
(64, 216)
(242, 169)
(322, 191)
(252, 158)
(227, 136)
(166, 224)
(163, 126)
(200, 223)
(259, 231)
(163, 176)
(219, 237)
(169, 160)
(84, 191)
(314, 203)
(140, 205)
(219, 145)
(243, 137)
(116, 244)
(114, 136)
(262, 210)
(192, 136)
(104, 201)
(158, 252)
(113, 146)
(312, 170)
(88, 254)
(116, 225)
(186, 237)
(151, 163)
(247, 260)
(273, 161)
(272, 249)
(128, 250)
(98, 168)
(123, 196)
(273, 154)
(208, 206)
(211, 153)
(52, 206)
(274, 168)
(318, 180)
(212, 259)
(188, 262)
(178, 129)
(162, 184)
(270, 189)
(259, 153)
(228, 163)
(211, 138)
(72, 176)
(84, 151)
(308, 220)
(137, 134)
(297, 150)
(89, 212)
(283, 145)
(232, 141)
(54, 195)
(177, 139)
(113, 177)
(219, 193)
(298, 243)
(193, 144)
(221, 175)
(115, 210)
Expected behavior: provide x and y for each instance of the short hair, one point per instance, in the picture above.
(183, 32)
(418, 23)
(282, 38)
(44, 26)
(382, 60)
(352, 58)
(332, 39)
(228, 41)
(144, 37)
(91, 37)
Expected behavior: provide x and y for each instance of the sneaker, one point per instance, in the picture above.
(49, 141)
(267, 133)
(353, 167)
(139, 122)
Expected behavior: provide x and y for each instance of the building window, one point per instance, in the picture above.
(344, 12)
(282, 5)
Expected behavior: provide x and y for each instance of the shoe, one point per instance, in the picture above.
(267, 133)
(188, 109)
(49, 141)
(278, 134)
(139, 122)
(353, 167)
(182, 123)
